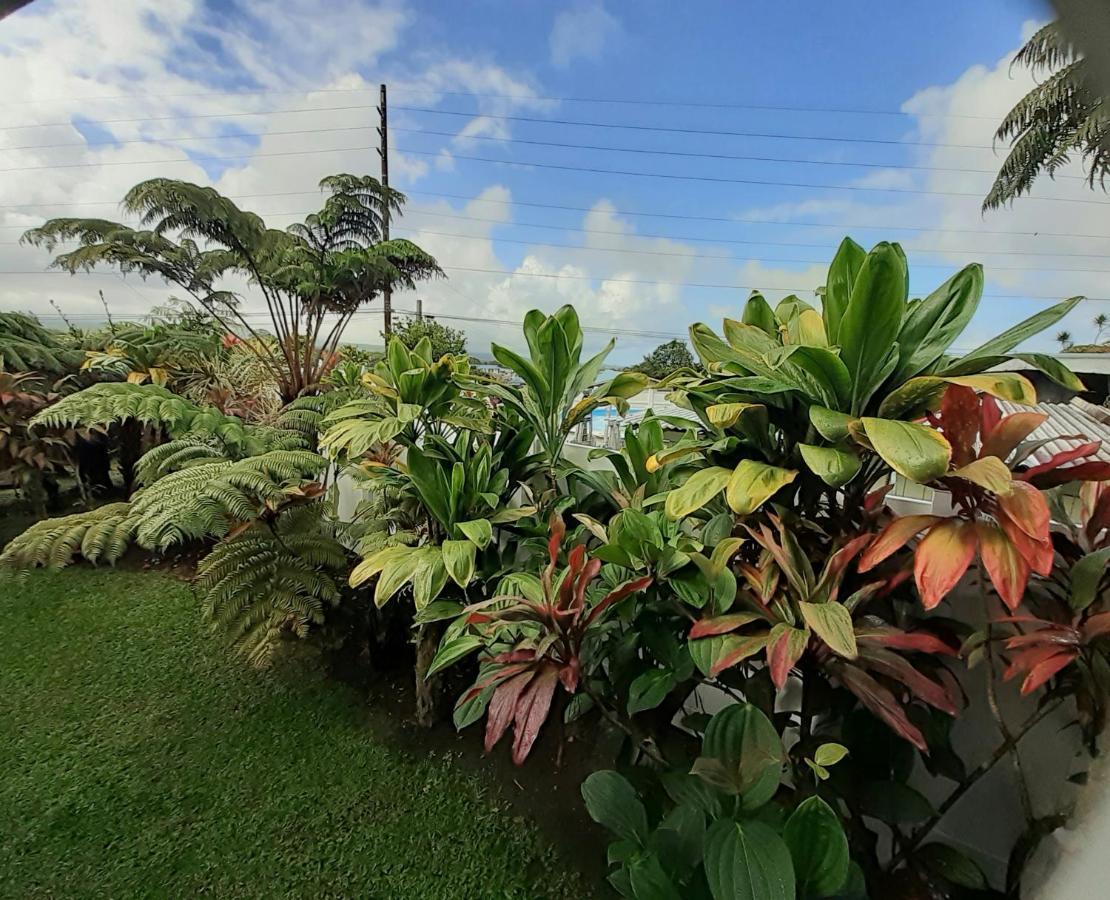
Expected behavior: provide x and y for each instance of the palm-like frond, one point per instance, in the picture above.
(98, 535)
(25, 346)
(1061, 118)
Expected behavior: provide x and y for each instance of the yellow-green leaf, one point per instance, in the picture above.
(830, 424)
(832, 465)
(374, 563)
(395, 575)
(699, 489)
(833, 624)
(723, 415)
(807, 328)
(924, 393)
(458, 558)
(478, 530)
(989, 472)
(751, 483)
(916, 451)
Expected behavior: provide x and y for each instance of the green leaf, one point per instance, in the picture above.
(747, 745)
(429, 577)
(952, 865)
(893, 803)
(1086, 575)
(869, 329)
(833, 624)
(806, 328)
(747, 861)
(830, 754)
(838, 286)
(757, 312)
(832, 465)
(649, 881)
(1012, 337)
(752, 483)
(480, 531)
(395, 575)
(1054, 369)
(437, 611)
(458, 557)
(830, 424)
(932, 325)
(452, 650)
(988, 472)
(649, 689)
(916, 451)
(467, 712)
(699, 489)
(613, 803)
(818, 847)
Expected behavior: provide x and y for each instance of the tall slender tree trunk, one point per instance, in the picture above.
(428, 691)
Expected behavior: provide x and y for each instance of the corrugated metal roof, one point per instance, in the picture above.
(1080, 363)
(1068, 424)
(662, 408)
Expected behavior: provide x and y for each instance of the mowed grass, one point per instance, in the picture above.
(138, 758)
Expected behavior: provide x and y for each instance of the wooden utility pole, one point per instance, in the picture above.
(383, 152)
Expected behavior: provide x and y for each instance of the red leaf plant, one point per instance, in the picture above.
(792, 615)
(1000, 512)
(546, 638)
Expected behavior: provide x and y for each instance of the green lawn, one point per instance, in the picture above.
(138, 759)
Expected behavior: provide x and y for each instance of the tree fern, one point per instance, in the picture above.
(271, 580)
(98, 535)
(1062, 116)
(25, 346)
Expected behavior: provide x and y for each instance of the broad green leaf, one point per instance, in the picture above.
(916, 451)
(893, 802)
(395, 575)
(613, 803)
(830, 424)
(757, 312)
(506, 516)
(747, 861)
(649, 689)
(1012, 337)
(832, 465)
(480, 531)
(593, 526)
(818, 848)
(429, 577)
(924, 393)
(467, 712)
(1054, 369)
(988, 472)
(807, 328)
(437, 611)
(751, 483)
(1086, 575)
(648, 879)
(869, 329)
(833, 624)
(932, 325)
(458, 557)
(374, 564)
(838, 286)
(452, 650)
(521, 584)
(744, 741)
(724, 415)
(722, 553)
(699, 489)
(830, 754)
(952, 865)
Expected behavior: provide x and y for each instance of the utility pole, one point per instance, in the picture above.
(383, 152)
(419, 308)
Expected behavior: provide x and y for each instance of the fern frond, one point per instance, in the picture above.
(98, 535)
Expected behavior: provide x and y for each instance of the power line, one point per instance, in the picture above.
(749, 181)
(519, 98)
(450, 134)
(663, 129)
(563, 275)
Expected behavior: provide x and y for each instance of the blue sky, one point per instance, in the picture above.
(287, 90)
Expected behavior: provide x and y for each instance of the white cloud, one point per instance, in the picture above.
(581, 33)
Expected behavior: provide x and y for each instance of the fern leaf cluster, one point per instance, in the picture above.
(204, 500)
(25, 346)
(98, 535)
(272, 580)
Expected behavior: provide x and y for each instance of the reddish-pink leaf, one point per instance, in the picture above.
(895, 536)
(1010, 432)
(500, 675)
(874, 500)
(1097, 470)
(1028, 659)
(589, 573)
(1064, 456)
(568, 674)
(745, 646)
(941, 559)
(1044, 670)
(513, 656)
(959, 419)
(618, 593)
(882, 703)
(502, 706)
(1094, 508)
(989, 415)
(784, 651)
(531, 713)
(900, 669)
(840, 561)
(1038, 554)
(1058, 637)
(1007, 568)
(921, 641)
(1096, 626)
(720, 624)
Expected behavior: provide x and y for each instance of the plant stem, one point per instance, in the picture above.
(644, 744)
(1008, 745)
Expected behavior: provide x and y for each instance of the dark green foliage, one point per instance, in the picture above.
(665, 359)
(444, 340)
(139, 760)
(1062, 117)
(97, 535)
(25, 346)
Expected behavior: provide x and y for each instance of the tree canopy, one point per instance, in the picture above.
(444, 340)
(665, 359)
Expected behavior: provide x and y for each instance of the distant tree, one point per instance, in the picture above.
(1063, 338)
(665, 359)
(1062, 117)
(444, 340)
(1101, 322)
